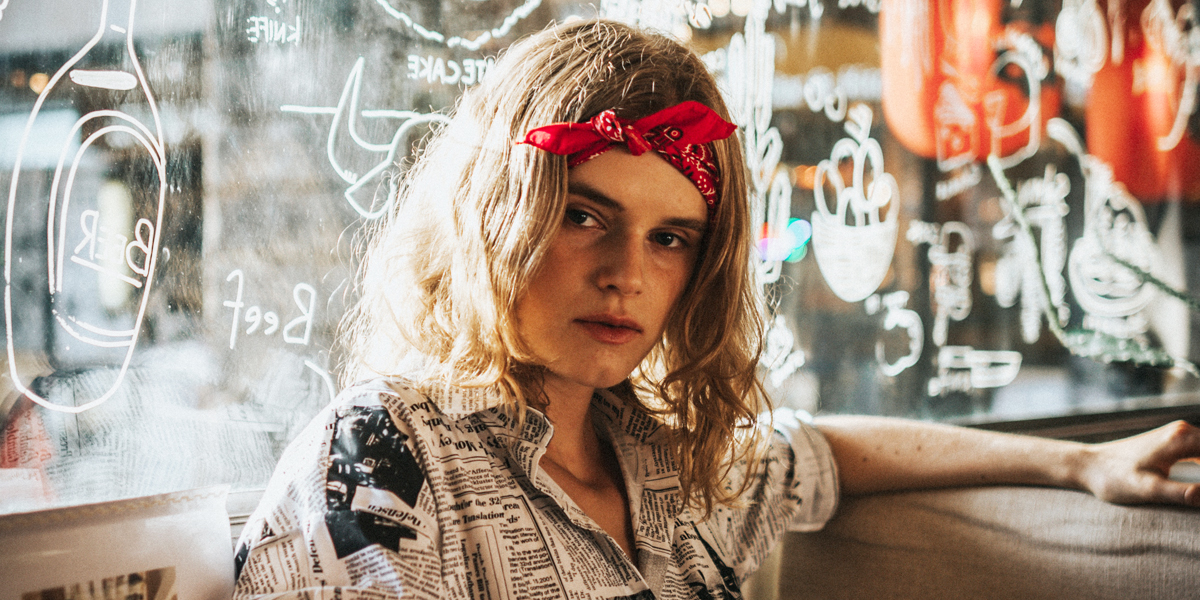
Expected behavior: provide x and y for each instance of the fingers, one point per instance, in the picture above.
(1182, 440)
(1191, 496)
(1175, 492)
(1147, 467)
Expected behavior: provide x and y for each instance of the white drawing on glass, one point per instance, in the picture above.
(854, 241)
(816, 8)
(3, 7)
(964, 178)
(1176, 36)
(897, 316)
(672, 16)
(266, 322)
(1080, 45)
(324, 375)
(454, 41)
(872, 5)
(1022, 51)
(1116, 31)
(128, 259)
(1044, 204)
(913, 38)
(1112, 296)
(780, 357)
(345, 116)
(951, 258)
(963, 368)
(956, 131)
(748, 76)
(823, 92)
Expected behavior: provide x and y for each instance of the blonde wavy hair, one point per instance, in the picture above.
(442, 275)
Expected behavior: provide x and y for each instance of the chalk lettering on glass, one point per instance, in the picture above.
(854, 241)
(1177, 38)
(3, 6)
(951, 256)
(269, 30)
(1112, 296)
(94, 245)
(963, 368)
(498, 31)
(256, 320)
(345, 117)
(433, 69)
(896, 315)
(1044, 203)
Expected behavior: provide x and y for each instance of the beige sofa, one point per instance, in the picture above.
(982, 543)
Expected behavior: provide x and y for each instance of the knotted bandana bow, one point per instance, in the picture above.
(681, 134)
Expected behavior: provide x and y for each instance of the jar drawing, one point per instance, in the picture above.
(101, 245)
(854, 242)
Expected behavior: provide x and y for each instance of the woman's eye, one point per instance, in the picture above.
(669, 240)
(580, 217)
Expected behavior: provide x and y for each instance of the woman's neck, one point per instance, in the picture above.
(583, 465)
(575, 445)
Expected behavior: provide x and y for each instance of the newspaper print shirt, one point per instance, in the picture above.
(386, 496)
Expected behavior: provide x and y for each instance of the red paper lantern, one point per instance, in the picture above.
(957, 83)
(1136, 119)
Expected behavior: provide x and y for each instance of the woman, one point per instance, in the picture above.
(559, 331)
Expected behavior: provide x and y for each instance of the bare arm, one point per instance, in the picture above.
(877, 454)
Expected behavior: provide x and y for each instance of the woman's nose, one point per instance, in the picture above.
(623, 265)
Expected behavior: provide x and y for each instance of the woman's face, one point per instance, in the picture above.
(628, 242)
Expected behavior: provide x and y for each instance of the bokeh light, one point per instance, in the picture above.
(791, 245)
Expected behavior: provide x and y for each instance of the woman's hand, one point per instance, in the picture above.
(1134, 470)
(876, 454)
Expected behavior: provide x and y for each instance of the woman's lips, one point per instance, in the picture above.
(610, 330)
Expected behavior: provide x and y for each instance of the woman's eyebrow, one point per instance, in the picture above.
(591, 193)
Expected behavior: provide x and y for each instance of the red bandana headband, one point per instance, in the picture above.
(680, 134)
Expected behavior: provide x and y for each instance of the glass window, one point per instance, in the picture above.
(186, 181)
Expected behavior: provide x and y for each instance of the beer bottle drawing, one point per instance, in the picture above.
(101, 245)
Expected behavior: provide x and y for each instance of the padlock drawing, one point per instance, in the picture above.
(88, 243)
(853, 243)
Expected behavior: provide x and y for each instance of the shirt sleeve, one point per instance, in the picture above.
(348, 513)
(814, 476)
(794, 487)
